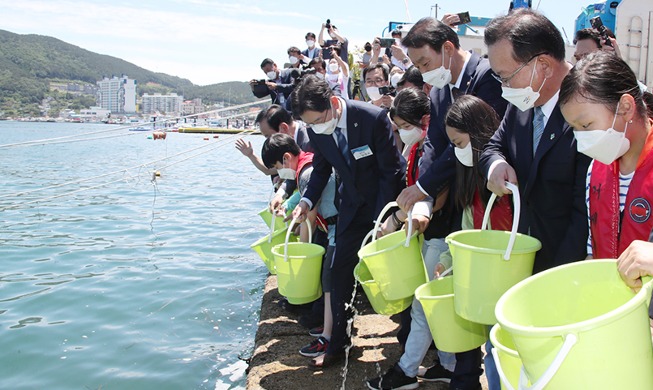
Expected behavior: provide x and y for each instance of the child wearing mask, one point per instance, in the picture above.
(338, 74)
(282, 152)
(601, 92)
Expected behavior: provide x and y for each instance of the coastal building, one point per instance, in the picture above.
(117, 94)
(191, 107)
(165, 104)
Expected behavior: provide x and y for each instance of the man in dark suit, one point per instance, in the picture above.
(534, 147)
(279, 85)
(434, 49)
(356, 140)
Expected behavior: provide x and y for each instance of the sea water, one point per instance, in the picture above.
(129, 280)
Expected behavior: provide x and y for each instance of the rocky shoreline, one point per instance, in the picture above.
(277, 365)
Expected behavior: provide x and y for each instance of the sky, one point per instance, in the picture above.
(210, 41)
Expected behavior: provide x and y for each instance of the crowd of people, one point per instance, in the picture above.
(437, 129)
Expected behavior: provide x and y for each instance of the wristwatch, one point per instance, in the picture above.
(406, 61)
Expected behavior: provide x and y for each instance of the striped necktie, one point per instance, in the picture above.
(538, 127)
(342, 145)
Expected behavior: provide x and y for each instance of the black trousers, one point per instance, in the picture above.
(345, 258)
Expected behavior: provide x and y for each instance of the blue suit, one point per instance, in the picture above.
(366, 186)
(551, 184)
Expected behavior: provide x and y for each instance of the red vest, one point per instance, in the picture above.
(306, 158)
(412, 170)
(609, 240)
(500, 215)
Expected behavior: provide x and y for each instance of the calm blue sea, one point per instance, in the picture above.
(131, 284)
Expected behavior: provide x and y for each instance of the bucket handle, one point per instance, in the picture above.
(515, 219)
(368, 236)
(544, 380)
(387, 207)
(310, 235)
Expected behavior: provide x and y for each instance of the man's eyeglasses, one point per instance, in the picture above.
(506, 80)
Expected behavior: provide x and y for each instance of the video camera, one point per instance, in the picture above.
(328, 24)
(387, 91)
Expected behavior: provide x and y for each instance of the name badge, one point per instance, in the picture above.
(362, 151)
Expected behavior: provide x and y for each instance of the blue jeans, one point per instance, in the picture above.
(493, 380)
(419, 338)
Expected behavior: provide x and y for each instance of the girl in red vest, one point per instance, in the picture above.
(470, 123)
(603, 101)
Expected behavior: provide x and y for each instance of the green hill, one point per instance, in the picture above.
(30, 63)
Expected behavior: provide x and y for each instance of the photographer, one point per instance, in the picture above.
(319, 65)
(589, 40)
(336, 38)
(279, 85)
(377, 85)
(296, 58)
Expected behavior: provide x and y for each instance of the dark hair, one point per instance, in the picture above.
(395, 32)
(410, 104)
(432, 32)
(265, 62)
(293, 49)
(316, 60)
(259, 117)
(275, 115)
(276, 146)
(378, 65)
(529, 32)
(471, 115)
(309, 35)
(588, 33)
(602, 77)
(412, 75)
(312, 94)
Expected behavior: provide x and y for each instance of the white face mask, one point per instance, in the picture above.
(319, 75)
(333, 67)
(411, 136)
(373, 93)
(438, 77)
(522, 98)
(394, 80)
(326, 128)
(603, 145)
(286, 173)
(465, 155)
(293, 60)
(310, 43)
(272, 75)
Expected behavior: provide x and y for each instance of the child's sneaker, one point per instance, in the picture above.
(317, 331)
(316, 348)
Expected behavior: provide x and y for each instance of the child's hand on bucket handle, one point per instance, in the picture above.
(636, 261)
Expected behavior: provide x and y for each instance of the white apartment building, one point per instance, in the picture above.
(117, 94)
(164, 104)
(191, 107)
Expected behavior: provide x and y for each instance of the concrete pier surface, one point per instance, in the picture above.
(277, 364)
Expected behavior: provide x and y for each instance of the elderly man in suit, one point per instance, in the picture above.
(451, 71)
(534, 147)
(356, 140)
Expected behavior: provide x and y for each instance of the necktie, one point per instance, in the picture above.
(538, 127)
(342, 145)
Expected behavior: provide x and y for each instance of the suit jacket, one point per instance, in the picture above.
(437, 166)
(302, 139)
(370, 182)
(551, 184)
(318, 53)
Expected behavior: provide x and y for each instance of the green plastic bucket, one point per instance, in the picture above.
(506, 357)
(395, 261)
(263, 247)
(578, 326)
(299, 269)
(451, 333)
(487, 263)
(373, 293)
(268, 217)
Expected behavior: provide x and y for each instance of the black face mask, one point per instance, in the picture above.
(368, 48)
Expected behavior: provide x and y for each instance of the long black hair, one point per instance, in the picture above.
(471, 115)
(410, 104)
